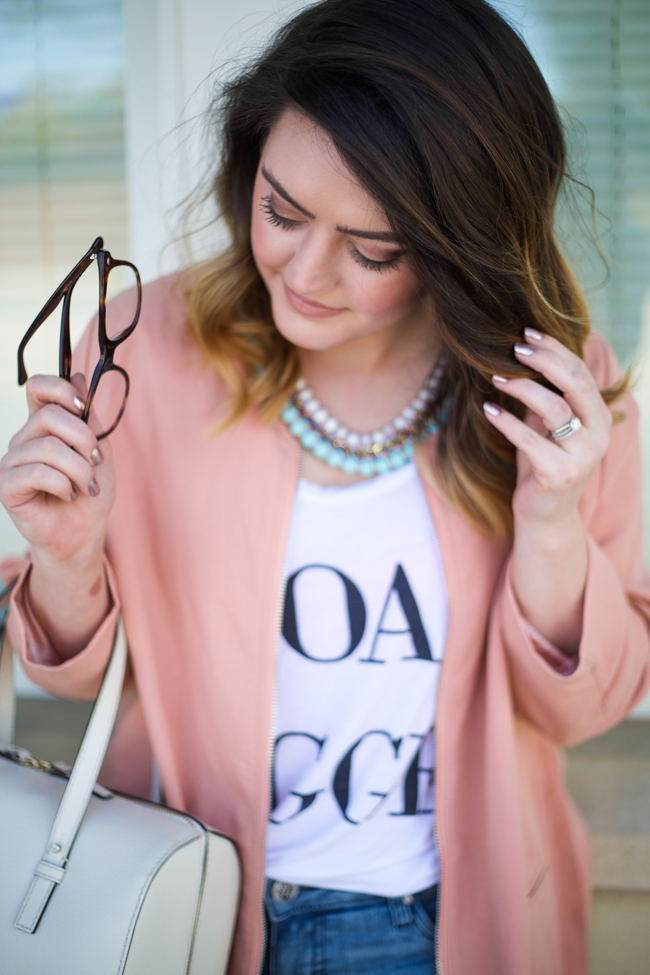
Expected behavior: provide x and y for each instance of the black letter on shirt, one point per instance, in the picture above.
(305, 800)
(420, 643)
(356, 615)
(341, 782)
(412, 784)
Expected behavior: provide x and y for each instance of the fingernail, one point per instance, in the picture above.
(79, 404)
(93, 487)
(499, 379)
(530, 333)
(523, 350)
(97, 457)
(491, 409)
(73, 495)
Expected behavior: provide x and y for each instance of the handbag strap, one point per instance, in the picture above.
(50, 870)
(7, 697)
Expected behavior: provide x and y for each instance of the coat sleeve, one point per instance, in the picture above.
(613, 670)
(78, 678)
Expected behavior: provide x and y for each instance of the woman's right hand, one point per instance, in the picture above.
(56, 481)
(58, 485)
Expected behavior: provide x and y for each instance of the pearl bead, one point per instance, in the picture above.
(378, 436)
(304, 395)
(330, 424)
(335, 458)
(341, 432)
(400, 423)
(366, 441)
(353, 439)
(418, 403)
(309, 439)
(290, 414)
(298, 427)
(311, 406)
(320, 416)
(366, 467)
(321, 449)
(301, 384)
(409, 413)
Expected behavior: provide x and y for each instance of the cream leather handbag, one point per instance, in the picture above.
(96, 883)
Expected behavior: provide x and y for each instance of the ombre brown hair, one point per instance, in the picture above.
(439, 110)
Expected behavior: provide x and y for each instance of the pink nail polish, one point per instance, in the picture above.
(93, 487)
(499, 379)
(530, 333)
(524, 350)
(79, 404)
(97, 457)
(491, 409)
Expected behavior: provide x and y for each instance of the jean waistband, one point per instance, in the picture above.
(284, 898)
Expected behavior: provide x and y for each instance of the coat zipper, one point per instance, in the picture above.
(436, 827)
(274, 709)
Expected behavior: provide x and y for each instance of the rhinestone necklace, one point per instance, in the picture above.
(361, 453)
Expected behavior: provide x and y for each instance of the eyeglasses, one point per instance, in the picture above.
(115, 323)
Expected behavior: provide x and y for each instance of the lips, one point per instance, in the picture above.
(308, 307)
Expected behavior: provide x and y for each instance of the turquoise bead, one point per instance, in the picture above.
(335, 457)
(367, 467)
(396, 459)
(407, 449)
(310, 439)
(321, 449)
(298, 427)
(381, 465)
(350, 465)
(290, 414)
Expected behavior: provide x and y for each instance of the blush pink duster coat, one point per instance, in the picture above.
(195, 555)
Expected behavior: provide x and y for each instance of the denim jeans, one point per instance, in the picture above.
(312, 931)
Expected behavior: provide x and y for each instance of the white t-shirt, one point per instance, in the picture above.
(364, 630)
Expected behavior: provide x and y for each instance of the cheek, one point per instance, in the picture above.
(384, 293)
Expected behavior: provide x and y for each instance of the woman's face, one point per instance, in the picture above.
(321, 244)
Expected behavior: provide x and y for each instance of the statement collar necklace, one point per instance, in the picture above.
(367, 454)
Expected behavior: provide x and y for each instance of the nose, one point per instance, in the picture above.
(312, 270)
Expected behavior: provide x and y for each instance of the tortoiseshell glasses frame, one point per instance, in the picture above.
(107, 344)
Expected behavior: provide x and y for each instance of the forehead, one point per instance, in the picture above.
(303, 158)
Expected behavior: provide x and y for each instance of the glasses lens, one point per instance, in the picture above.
(108, 402)
(121, 300)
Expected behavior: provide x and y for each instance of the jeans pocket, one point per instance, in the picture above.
(425, 912)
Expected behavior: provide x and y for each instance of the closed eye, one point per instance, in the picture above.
(285, 223)
(275, 218)
(371, 265)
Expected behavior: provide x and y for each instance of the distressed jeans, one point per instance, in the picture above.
(313, 931)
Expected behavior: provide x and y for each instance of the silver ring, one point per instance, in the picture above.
(567, 430)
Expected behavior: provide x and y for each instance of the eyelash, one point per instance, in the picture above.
(286, 224)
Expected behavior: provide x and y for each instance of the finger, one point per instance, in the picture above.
(566, 371)
(553, 410)
(52, 389)
(54, 420)
(22, 483)
(54, 453)
(536, 447)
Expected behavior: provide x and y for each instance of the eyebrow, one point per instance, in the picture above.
(381, 235)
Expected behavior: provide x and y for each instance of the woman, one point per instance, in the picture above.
(291, 587)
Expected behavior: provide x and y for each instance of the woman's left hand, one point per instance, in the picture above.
(549, 558)
(552, 474)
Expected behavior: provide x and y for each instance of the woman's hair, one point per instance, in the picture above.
(439, 110)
